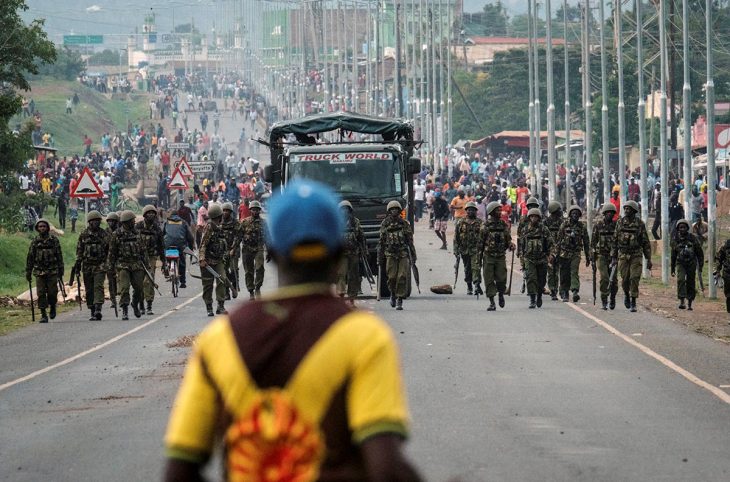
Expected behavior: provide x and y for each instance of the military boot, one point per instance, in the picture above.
(576, 296)
(500, 298)
(627, 299)
(689, 304)
(125, 314)
(492, 306)
(209, 309)
(633, 305)
(681, 304)
(258, 293)
(399, 304)
(478, 289)
(98, 311)
(469, 290)
(554, 295)
(92, 316)
(392, 300)
(221, 309)
(52, 312)
(604, 303)
(539, 300)
(564, 296)
(532, 301)
(612, 301)
(149, 308)
(136, 310)
(251, 295)
(44, 317)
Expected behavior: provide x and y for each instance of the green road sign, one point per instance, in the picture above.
(83, 39)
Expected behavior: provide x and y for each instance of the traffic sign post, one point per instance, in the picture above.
(83, 39)
(202, 167)
(86, 188)
(178, 181)
(184, 168)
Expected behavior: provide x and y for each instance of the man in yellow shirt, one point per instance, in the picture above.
(458, 204)
(46, 184)
(302, 386)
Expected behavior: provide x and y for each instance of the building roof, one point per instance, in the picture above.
(481, 40)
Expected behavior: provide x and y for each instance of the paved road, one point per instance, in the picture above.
(520, 394)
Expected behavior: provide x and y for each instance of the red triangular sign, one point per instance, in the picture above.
(178, 181)
(87, 186)
(184, 167)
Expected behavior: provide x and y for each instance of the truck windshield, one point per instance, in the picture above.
(376, 177)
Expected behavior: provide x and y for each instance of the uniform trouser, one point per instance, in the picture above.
(148, 286)
(127, 278)
(536, 276)
(208, 280)
(553, 277)
(629, 265)
(348, 275)
(398, 270)
(495, 274)
(726, 287)
(471, 269)
(94, 286)
(686, 279)
(569, 280)
(603, 264)
(46, 290)
(253, 268)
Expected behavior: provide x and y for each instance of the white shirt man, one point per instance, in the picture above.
(419, 190)
(24, 182)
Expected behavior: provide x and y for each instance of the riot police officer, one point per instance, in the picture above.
(723, 271)
(92, 251)
(212, 253)
(496, 240)
(153, 246)
(687, 256)
(45, 262)
(553, 223)
(531, 203)
(572, 237)
(537, 244)
(232, 230)
(253, 245)
(348, 273)
(601, 247)
(630, 243)
(468, 245)
(125, 247)
(396, 252)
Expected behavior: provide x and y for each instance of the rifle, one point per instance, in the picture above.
(368, 272)
(62, 289)
(32, 306)
(593, 265)
(478, 285)
(717, 279)
(211, 271)
(416, 276)
(456, 270)
(511, 270)
(75, 274)
(524, 280)
(113, 294)
(699, 275)
(377, 283)
(612, 274)
(149, 275)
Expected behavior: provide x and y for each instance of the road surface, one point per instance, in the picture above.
(566, 392)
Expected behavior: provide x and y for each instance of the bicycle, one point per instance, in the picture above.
(173, 261)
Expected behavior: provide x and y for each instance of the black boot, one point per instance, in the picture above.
(681, 304)
(612, 302)
(125, 312)
(258, 293)
(500, 298)
(576, 296)
(604, 302)
(392, 300)
(52, 312)
(221, 309)
(136, 310)
(492, 306)
(149, 308)
(399, 304)
(553, 295)
(209, 309)
(627, 300)
(532, 301)
(478, 289)
(98, 311)
(469, 290)
(689, 304)
(564, 296)
(539, 300)
(92, 317)
(251, 295)
(44, 317)
(633, 305)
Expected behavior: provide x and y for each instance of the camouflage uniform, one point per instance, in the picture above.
(537, 244)
(252, 248)
(686, 256)
(468, 244)
(92, 251)
(45, 262)
(213, 250)
(496, 239)
(553, 223)
(524, 222)
(396, 239)
(125, 247)
(601, 247)
(630, 243)
(348, 274)
(723, 270)
(232, 232)
(153, 246)
(572, 237)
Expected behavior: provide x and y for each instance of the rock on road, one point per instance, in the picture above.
(547, 394)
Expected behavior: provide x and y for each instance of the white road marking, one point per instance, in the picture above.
(96, 348)
(725, 397)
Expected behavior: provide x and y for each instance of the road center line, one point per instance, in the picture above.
(725, 397)
(96, 348)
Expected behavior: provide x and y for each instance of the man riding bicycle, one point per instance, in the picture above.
(178, 236)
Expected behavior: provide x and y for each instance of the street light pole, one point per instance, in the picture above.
(604, 106)
(551, 102)
(711, 170)
(566, 88)
(641, 112)
(621, 105)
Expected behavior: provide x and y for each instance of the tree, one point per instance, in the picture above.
(23, 48)
(68, 65)
(495, 19)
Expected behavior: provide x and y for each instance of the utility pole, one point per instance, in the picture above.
(621, 105)
(663, 141)
(534, 138)
(687, 112)
(442, 94)
(397, 62)
(604, 106)
(538, 136)
(588, 113)
(566, 88)
(552, 191)
(641, 112)
(448, 70)
(711, 171)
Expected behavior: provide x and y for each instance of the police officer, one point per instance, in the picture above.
(45, 261)
(572, 236)
(112, 222)
(231, 230)
(723, 270)
(92, 251)
(537, 244)
(396, 252)
(630, 243)
(252, 246)
(531, 203)
(468, 245)
(601, 247)
(496, 240)
(153, 246)
(553, 223)
(212, 253)
(348, 274)
(125, 247)
(687, 255)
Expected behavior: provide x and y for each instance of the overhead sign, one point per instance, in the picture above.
(342, 157)
(83, 39)
(87, 186)
(184, 167)
(202, 167)
(178, 145)
(722, 136)
(178, 181)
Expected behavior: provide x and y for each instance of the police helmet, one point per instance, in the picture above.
(215, 211)
(112, 216)
(93, 215)
(608, 207)
(394, 205)
(575, 208)
(227, 206)
(533, 202)
(534, 212)
(470, 205)
(345, 204)
(254, 205)
(633, 205)
(149, 209)
(42, 220)
(683, 221)
(126, 216)
(553, 207)
(492, 206)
